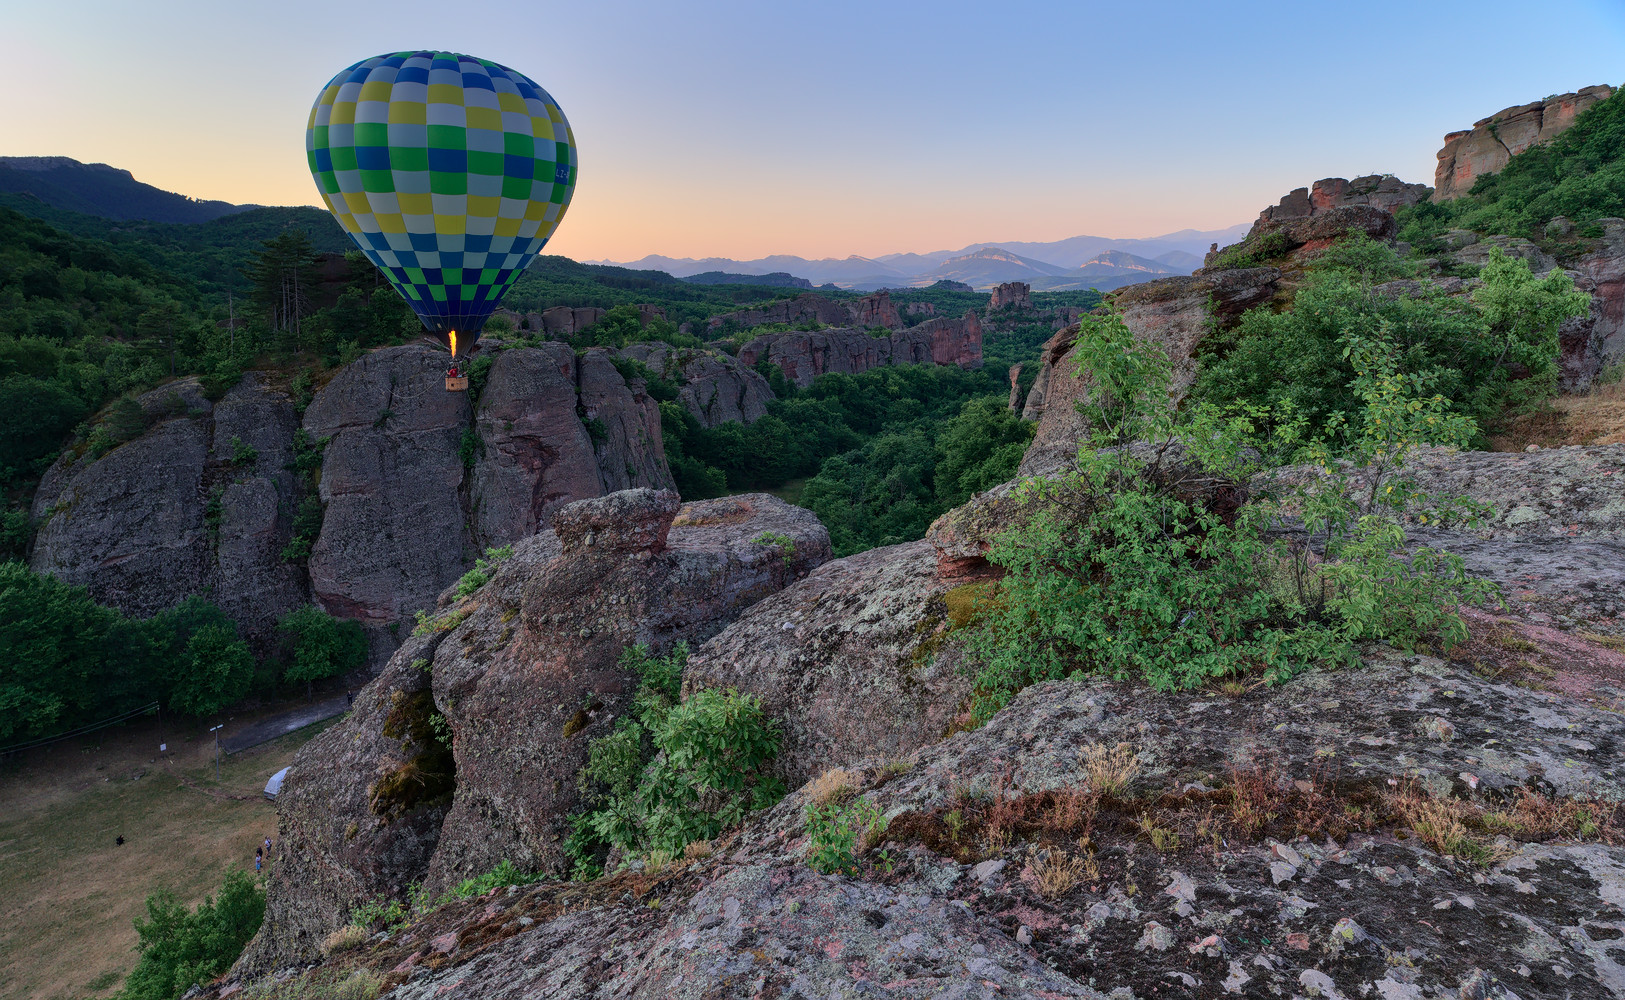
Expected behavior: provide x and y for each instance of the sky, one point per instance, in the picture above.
(742, 129)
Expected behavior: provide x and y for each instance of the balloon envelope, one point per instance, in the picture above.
(449, 172)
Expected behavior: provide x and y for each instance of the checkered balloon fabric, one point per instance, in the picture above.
(449, 172)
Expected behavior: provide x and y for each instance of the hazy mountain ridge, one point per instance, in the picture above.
(1054, 265)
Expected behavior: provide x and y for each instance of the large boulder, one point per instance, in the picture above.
(172, 513)
(1174, 313)
(1491, 142)
(853, 660)
(624, 422)
(535, 454)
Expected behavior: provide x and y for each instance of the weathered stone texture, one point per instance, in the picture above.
(805, 355)
(1492, 141)
(715, 387)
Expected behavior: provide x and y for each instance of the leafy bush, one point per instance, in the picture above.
(500, 877)
(321, 646)
(180, 949)
(484, 569)
(670, 774)
(838, 832)
(1136, 565)
(1496, 350)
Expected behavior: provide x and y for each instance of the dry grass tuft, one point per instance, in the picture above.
(1110, 770)
(835, 785)
(697, 849)
(346, 937)
(1056, 874)
(1598, 417)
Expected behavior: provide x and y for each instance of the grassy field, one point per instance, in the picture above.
(68, 891)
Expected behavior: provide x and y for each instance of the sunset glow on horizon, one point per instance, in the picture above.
(739, 130)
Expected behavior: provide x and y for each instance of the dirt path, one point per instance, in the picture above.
(267, 730)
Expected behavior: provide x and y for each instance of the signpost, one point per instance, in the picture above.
(216, 732)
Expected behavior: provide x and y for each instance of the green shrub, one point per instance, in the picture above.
(672, 773)
(778, 540)
(484, 569)
(242, 454)
(180, 949)
(1136, 566)
(836, 834)
(500, 877)
(1470, 350)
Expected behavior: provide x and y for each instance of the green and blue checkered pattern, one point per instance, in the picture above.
(449, 172)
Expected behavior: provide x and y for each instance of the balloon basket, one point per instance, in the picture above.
(456, 383)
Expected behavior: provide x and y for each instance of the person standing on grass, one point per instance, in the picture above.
(268, 846)
(259, 857)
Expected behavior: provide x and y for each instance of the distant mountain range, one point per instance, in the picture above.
(1075, 263)
(104, 191)
(96, 189)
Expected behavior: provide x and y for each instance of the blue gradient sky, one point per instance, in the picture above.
(742, 129)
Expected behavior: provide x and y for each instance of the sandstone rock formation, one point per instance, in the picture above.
(1011, 295)
(919, 309)
(525, 672)
(563, 321)
(868, 311)
(1492, 141)
(416, 482)
(805, 355)
(1383, 191)
(168, 515)
(715, 387)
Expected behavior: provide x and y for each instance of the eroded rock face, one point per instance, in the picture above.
(715, 387)
(874, 310)
(805, 355)
(536, 454)
(525, 672)
(850, 660)
(1383, 191)
(136, 526)
(392, 480)
(624, 422)
(1492, 141)
(1011, 295)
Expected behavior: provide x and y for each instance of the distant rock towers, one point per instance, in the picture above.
(1011, 294)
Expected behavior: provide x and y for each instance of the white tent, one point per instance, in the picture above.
(274, 786)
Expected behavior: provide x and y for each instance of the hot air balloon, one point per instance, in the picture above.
(450, 173)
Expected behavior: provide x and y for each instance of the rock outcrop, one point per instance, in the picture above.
(1491, 142)
(525, 673)
(714, 386)
(415, 482)
(919, 309)
(1011, 295)
(1175, 313)
(805, 355)
(851, 660)
(1383, 191)
(874, 310)
(178, 511)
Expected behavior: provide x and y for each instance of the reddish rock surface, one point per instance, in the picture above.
(805, 355)
(868, 311)
(1491, 142)
(714, 386)
(1382, 191)
(1011, 295)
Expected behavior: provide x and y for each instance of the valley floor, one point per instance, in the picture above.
(69, 892)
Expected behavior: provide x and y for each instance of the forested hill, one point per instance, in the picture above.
(101, 190)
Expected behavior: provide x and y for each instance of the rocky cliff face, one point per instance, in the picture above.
(1383, 191)
(170, 514)
(1492, 141)
(715, 387)
(415, 482)
(805, 355)
(526, 672)
(868, 311)
(1011, 295)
